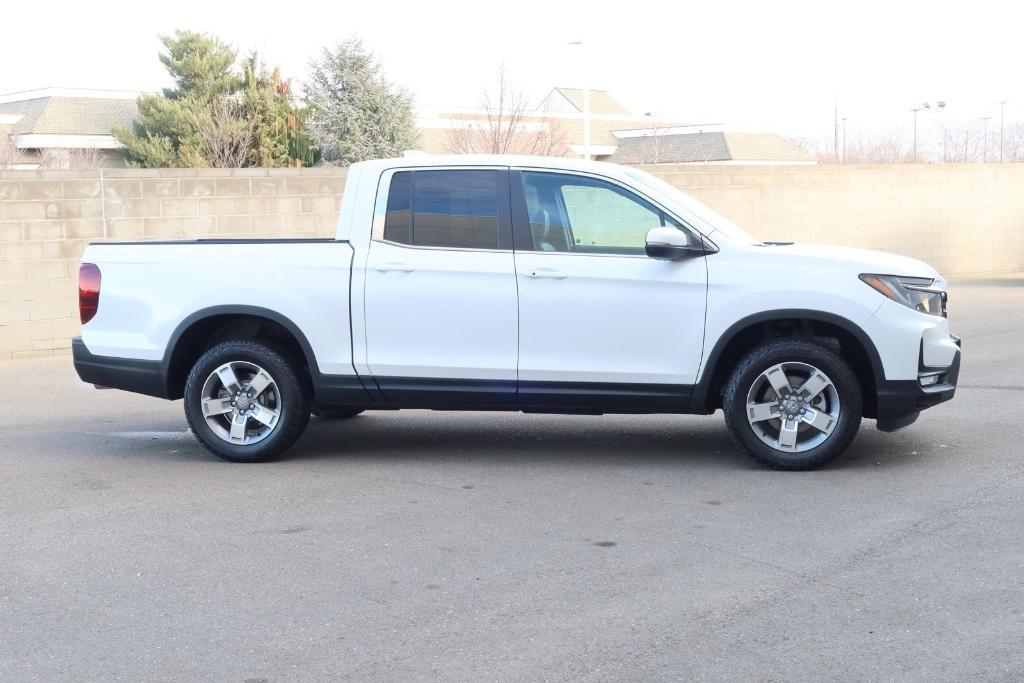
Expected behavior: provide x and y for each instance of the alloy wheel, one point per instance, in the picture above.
(241, 403)
(793, 407)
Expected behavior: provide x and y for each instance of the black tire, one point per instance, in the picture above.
(339, 414)
(294, 400)
(793, 350)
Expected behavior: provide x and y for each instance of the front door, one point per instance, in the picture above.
(599, 321)
(440, 293)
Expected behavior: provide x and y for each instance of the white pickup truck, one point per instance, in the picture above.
(530, 284)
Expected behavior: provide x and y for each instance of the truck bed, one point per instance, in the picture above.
(153, 290)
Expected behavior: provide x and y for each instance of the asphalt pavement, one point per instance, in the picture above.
(491, 546)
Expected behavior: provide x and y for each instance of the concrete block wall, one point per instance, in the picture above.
(964, 219)
(47, 217)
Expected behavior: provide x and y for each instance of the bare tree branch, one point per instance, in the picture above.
(887, 147)
(70, 159)
(226, 132)
(9, 154)
(507, 126)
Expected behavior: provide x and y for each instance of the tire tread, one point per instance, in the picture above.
(295, 419)
(798, 348)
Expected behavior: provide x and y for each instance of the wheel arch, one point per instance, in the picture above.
(203, 328)
(855, 346)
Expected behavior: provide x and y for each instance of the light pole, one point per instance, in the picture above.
(1002, 110)
(915, 110)
(835, 128)
(927, 106)
(984, 140)
(844, 139)
(586, 102)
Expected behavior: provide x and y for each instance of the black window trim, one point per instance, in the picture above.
(505, 233)
(523, 236)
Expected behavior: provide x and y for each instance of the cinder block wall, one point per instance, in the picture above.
(47, 217)
(964, 219)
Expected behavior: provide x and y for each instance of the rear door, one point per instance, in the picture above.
(440, 290)
(599, 320)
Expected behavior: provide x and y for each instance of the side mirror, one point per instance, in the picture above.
(670, 244)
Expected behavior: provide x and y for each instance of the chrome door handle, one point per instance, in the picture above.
(394, 267)
(549, 274)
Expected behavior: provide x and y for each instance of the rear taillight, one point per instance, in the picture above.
(88, 291)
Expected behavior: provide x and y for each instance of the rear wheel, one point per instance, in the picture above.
(245, 402)
(793, 404)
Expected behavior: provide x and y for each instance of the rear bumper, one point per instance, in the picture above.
(130, 374)
(901, 401)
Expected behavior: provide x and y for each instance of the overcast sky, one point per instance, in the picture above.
(757, 65)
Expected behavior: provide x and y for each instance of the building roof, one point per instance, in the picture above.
(701, 147)
(764, 147)
(677, 149)
(50, 112)
(601, 102)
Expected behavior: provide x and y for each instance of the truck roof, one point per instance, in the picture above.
(434, 160)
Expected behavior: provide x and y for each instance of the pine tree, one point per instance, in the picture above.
(215, 115)
(354, 112)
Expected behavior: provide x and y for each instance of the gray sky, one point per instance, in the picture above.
(759, 65)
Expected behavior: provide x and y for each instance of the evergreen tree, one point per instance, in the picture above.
(215, 114)
(354, 112)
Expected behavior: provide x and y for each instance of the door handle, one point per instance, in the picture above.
(549, 274)
(394, 267)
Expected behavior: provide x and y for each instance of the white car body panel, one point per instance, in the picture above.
(577, 313)
(421, 319)
(149, 290)
(371, 308)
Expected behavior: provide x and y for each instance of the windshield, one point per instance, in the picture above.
(713, 219)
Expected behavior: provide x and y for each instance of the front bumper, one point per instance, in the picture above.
(900, 402)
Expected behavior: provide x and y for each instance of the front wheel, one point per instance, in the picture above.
(793, 404)
(245, 402)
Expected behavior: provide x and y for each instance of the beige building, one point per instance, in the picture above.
(59, 128)
(616, 134)
(50, 127)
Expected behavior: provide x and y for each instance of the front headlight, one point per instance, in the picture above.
(920, 293)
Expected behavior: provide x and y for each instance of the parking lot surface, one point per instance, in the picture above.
(422, 545)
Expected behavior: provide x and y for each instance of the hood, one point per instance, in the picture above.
(864, 260)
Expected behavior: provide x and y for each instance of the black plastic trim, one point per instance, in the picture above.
(542, 397)
(895, 424)
(129, 374)
(604, 397)
(701, 394)
(327, 389)
(521, 237)
(898, 399)
(462, 394)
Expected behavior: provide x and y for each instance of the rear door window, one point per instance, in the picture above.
(455, 209)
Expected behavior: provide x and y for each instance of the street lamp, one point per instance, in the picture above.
(844, 139)
(926, 106)
(586, 102)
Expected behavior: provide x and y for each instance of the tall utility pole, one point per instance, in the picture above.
(586, 100)
(915, 110)
(835, 128)
(844, 139)
(1002, 110)
(927, 106)
(984, 140)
